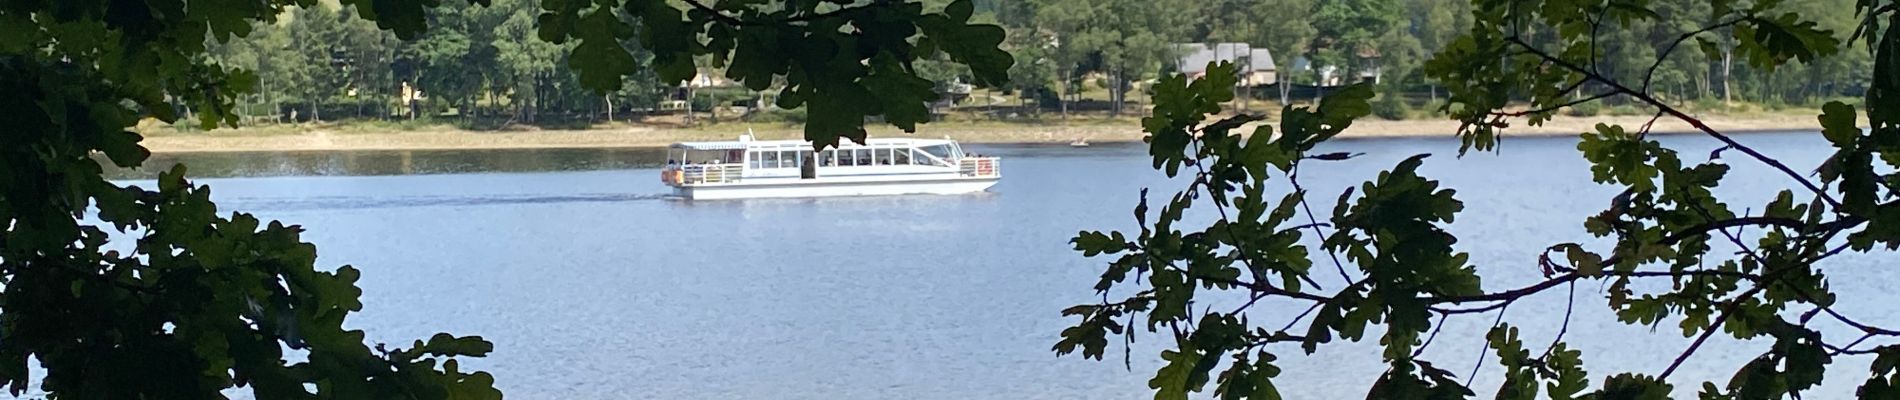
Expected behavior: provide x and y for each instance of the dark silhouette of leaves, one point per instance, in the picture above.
(1401, 274)
(847, 62)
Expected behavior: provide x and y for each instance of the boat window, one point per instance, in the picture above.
(768, 159)
(942, 151)
(883, 156)
(900, 156)
(785, 159)
(828, 158)
(752, 160)
(863, 156)
(804, 156)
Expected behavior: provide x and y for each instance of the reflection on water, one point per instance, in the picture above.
(392, 162)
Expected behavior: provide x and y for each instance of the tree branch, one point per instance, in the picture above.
(1596, 24)
(1570, 304)
(1264, 288)
(1486, 350)
(1763, 283)
(1643, 133)
(1819, 306)
(1514, 294)
(1303, 314)
(736, 21)
(1727, 310)
(1651, 74)
(718, 15)
(1672, 111)
(1598, 96)
(1849, 348)
(1434, 336)
(1200, 181)
(1312, 220)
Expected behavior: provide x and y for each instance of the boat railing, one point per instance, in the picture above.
(693, 174)
(980, 166)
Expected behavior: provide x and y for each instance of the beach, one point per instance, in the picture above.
(338, 137)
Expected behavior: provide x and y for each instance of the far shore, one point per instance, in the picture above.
(356, 136)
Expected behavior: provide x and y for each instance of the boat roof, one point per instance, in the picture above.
(769, 144)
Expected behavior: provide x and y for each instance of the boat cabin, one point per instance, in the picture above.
(791, 168)
(788, 158)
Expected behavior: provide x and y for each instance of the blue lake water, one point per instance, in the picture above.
(592, 286)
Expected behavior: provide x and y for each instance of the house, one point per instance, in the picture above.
(1256, 64)
(1333, 75)
(707, 79)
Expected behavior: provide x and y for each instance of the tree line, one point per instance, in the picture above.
(325, 62)
(1061, 41)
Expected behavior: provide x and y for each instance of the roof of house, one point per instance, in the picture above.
(1195, 56)
(1263, 60)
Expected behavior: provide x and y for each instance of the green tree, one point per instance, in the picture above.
(1071, 41)
(1436, 22)
(264, 54)
(1137, 37)
(1229, 21)
(1347, 32)
(1400, 53)
(843, 75)
(523, 60)
(125, 292)
(129, 292)
(315, 34)
(452, 56)
(369, 51)
(1286, 30)
(1400, 275)
(1037, 71)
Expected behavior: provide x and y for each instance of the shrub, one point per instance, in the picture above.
(1390, 107)
(793, 116)
(1628, 109)
(1587, 109)
(1710, 103)
(1430, 110)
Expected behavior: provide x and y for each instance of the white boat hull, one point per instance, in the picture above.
(832, 187)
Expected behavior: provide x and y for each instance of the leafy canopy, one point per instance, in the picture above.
(846, 60)
(1400, 274)
(134, 292)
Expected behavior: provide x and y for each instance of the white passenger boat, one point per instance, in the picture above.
(748, 168)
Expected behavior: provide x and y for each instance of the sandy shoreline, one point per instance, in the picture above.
(1099, 131)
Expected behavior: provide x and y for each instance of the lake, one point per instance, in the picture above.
(593, 286)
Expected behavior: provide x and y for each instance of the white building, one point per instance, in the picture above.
(1256, 64)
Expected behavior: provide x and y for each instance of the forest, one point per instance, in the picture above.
(488, 63)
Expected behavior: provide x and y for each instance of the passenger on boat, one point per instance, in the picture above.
(808, 169)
